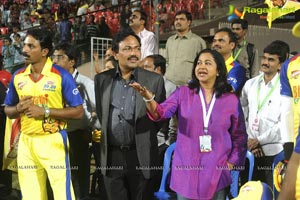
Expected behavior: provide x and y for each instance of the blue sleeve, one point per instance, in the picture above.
(69, 90)
(11, 97)
(284, 81)
(237, 77)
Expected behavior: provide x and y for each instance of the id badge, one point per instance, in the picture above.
(205, 143)
(255, 124)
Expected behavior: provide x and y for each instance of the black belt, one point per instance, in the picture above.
(123, 147)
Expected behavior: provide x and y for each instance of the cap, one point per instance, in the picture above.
(255, 190)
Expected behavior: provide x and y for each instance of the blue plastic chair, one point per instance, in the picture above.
(162, 194)
(279, 157)
(234, 187)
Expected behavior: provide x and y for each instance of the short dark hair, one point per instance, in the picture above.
(159, 61)
(279, 48)
(122, 35)
(69, 50)
(242, 22)
(43, 36)
(232, 36)
(187, 14)
(8, 38)
(144, 16)
(92, 18)
(221, 85)
(17, 34)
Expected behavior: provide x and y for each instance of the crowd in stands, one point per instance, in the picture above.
(182, 102)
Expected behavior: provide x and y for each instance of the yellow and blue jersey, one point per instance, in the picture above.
(236, 74)
(290, 85)
(55, 89)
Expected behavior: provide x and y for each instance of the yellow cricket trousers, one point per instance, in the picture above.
(40, 156)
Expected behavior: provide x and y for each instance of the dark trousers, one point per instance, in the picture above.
(263, 170)
(124, 180)
(80, 162)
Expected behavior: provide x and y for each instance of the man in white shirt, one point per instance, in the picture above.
(138, 22)
(261, 104)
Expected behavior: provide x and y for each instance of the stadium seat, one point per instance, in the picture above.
(234, 187)
(162, 194)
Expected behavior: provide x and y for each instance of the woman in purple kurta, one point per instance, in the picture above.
(201, 170)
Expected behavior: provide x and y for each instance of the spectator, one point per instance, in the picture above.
(211, 138)
(224, 42)
(14, 15)
(138, 23)
(125, 15)
(110, 63)
(23, 7)
(18, 44)
(80, 37)
(27, 23)
(80, 32)
(92, 27)
(108, 54)
(16, 29)
(8, 53)
(65, 28)
(181, 49)
(261, 104)
(104, 30)
(244, 51)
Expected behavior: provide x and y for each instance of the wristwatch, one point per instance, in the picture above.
(46, 111)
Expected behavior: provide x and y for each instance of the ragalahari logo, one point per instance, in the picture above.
(233, 13)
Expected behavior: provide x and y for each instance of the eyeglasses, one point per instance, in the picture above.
(58, 57)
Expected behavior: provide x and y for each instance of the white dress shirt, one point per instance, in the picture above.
(149, 43)
(268, 116)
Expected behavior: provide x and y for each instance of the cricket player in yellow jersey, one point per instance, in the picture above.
(290, 91)
(43, 95)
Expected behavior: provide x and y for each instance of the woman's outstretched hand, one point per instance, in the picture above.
(142, 90)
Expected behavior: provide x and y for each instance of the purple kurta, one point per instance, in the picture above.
(197, 175)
